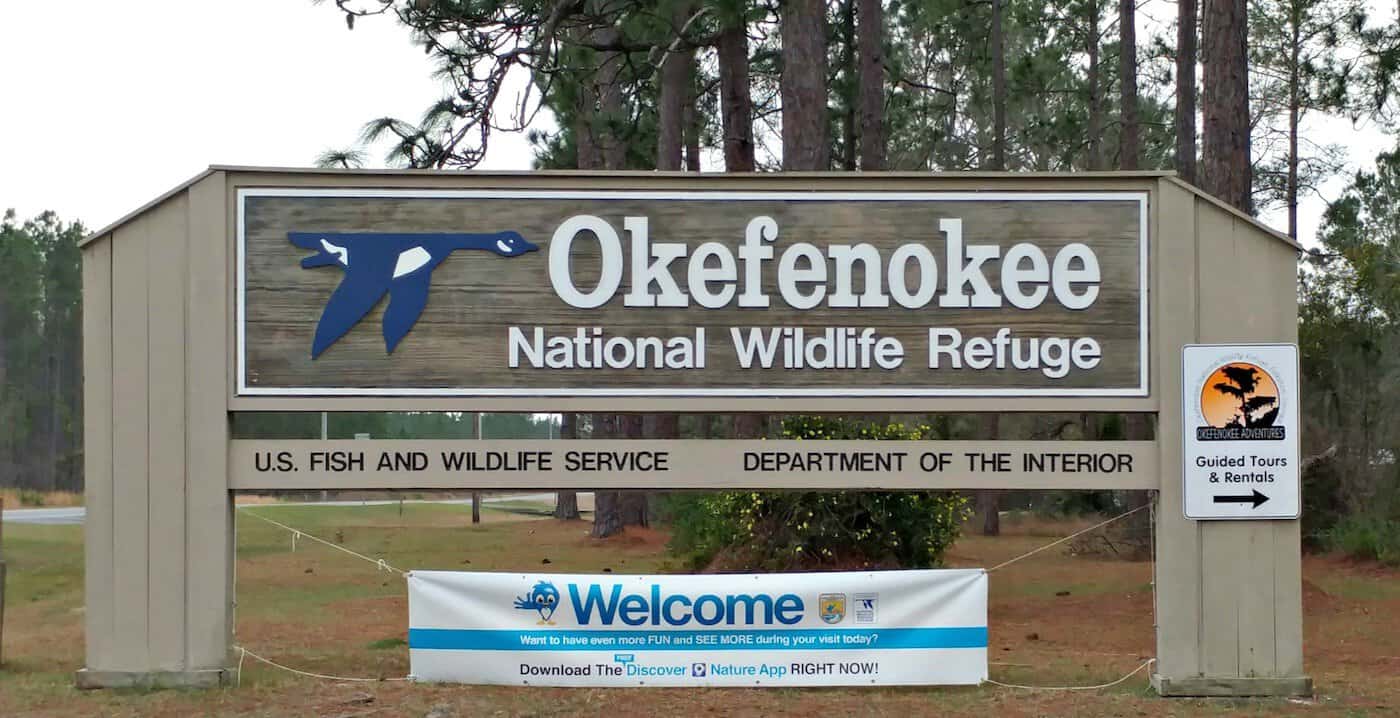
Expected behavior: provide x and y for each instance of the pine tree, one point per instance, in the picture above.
(1226, 169)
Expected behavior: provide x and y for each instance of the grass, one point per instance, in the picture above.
(32, 499)
(1373, 537)
(1055, 620)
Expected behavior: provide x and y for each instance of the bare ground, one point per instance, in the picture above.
(1055, 620)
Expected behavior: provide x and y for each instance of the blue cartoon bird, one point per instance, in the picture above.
(544, 598)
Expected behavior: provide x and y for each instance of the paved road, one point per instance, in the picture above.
(65, 515)
(74, 514)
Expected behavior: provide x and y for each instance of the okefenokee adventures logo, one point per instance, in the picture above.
(1240, 401)
(399, 265)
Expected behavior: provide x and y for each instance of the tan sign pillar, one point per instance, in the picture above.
(268, 290)
(158, 532)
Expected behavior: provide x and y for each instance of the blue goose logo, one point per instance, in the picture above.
(543, 599)
(376, 264)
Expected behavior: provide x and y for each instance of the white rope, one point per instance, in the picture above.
(1053, 544)
(378, 562)
(1152, 554)
(233, 605)
(1152, 514)
(1101, 686)
(242, 652)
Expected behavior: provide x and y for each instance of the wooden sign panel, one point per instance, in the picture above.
(591, 293)
(260, 464)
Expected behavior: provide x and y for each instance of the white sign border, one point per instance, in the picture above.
(240, 352)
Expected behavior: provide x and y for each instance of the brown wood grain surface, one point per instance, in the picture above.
(538, 465)
(460, 341)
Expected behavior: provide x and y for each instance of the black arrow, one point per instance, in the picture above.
(1256, 499)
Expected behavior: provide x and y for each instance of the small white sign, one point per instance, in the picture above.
(1240, 433)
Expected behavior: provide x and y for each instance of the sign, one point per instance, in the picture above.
(595, 293)
(702, 464)
(1241, 433)
(805, 629)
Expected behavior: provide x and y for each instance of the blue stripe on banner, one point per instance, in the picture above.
(463, 639)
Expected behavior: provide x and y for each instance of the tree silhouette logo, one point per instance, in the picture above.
(1240, 400)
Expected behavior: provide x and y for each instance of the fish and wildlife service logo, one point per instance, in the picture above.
(543, 599)
(376, 264)
(833, 607)
(1239, 400)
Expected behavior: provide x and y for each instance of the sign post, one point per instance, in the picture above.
(1240, 436)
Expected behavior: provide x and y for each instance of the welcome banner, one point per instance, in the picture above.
(850, 628)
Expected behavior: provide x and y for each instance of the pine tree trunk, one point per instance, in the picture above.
(693, 118)
(585, 117)
(612, 105)
(998, 90)
(668, 426)
(1129, 146)
(1095, 160)
(1225, 169)
(670, 104)
(1294, 113)
(632, 504)
(607, 514)
(736, 105)
(1186, 90)
(870, 19)
(849, 89)
(606, 520)
(748, 426)
(989, 500)
(634, 508)
(1134, 533)
(55, 402)
(607, 505)
(566, 506)
(989, 508)
(803, 85)
(566, 502)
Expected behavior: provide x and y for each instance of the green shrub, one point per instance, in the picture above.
(787, 530)
(701, 526)
(1367, 536)
(30, 497)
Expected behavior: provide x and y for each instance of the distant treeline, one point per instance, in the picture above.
(41, 413)
(41, 418)
(393, 425)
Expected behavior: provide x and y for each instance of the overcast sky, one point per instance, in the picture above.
(106, 104)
